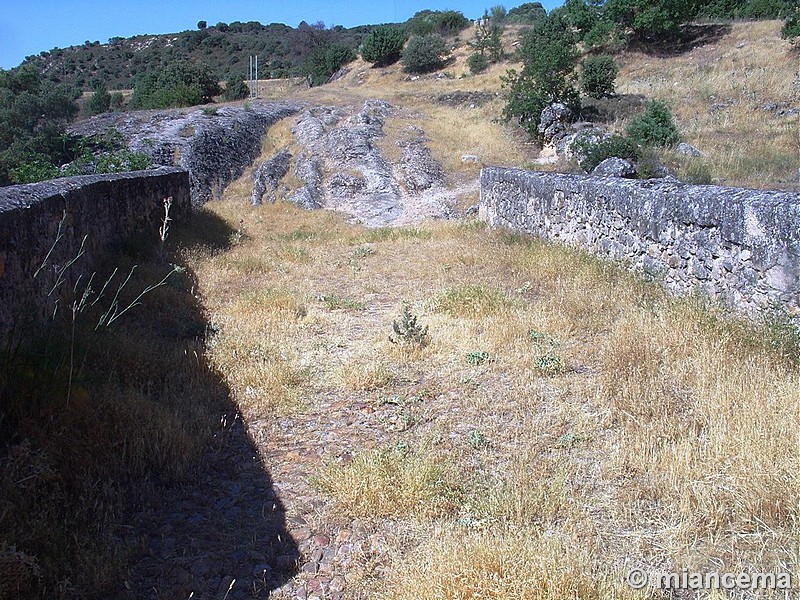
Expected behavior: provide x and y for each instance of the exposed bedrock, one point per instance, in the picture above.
(342, 167)
(215, 145)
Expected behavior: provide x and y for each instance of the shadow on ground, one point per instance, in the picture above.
(125, 469)
(223, 533)
(688, 37)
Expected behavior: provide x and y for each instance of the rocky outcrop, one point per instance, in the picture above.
(343, 168)
(267, 177)
(737, 245)
(215, 145)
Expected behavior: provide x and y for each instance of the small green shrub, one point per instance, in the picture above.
(599, 76)
(408, 331)
(383, 46)
(547, 361)
(477, 63)
(477, 439)
(655, 126)
(615, 146)
(477, 358)
(424, 53)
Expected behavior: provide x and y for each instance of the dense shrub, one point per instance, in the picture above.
(580, 15)
(655, 126)
(477, 63)
(235, 89)
(100, 101)
(650, 19)
(426, 22)
(383, 46)
(178, 84)
(33, 114)
(791, 27)
(424, 53)
(325, 60)
(599, 76)
(529, 13)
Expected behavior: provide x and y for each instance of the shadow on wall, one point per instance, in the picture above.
(125, 470)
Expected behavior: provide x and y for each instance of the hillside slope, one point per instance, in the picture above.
(736, 97)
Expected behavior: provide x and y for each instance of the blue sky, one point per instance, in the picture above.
(28, 27)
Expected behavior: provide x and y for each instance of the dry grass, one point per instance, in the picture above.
(720, 94)
(504, 564)
(394, 483)
(657, 432)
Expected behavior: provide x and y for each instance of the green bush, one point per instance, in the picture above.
(178, 84)
(33, 113)
(477, 63)
(599, 76)
(791, 27)
(235, 89)
(529, 13)
(655, 126)
(100, 101)
(37, 168)
(325, 60)
(615, 146)
(426, 22)
(424, 53)
(383, 46)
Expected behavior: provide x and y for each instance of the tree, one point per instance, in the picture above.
(426, 22)
(202, 24)
(651, 20)
(178, 84)
(528, 13)
(324, 61)
(235, 89)
(488, 35)
(791, 28)
(100, 101)
(549, 55)
(33, 114)
(383, 46)
(424, 53)
(581, 16)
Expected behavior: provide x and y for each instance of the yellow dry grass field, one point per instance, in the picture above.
(726, 97)
(561, 422)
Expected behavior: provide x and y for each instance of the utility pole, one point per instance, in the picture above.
(253, 81)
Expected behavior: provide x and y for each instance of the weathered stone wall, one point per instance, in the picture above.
(737, 245)
(101, 208)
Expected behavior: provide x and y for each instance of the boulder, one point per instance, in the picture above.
(688, 150)
(615, 167)
(554, 122)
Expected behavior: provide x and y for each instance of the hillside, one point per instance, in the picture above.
(226, 48)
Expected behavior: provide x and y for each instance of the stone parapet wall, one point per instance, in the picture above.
(736, 245)
(100, 208)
